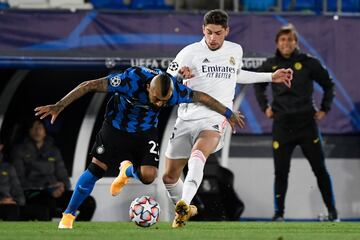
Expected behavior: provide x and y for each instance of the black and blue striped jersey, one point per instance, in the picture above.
(129, 108)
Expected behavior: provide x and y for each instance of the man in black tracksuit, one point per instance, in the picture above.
(44, 178)
(295, 117)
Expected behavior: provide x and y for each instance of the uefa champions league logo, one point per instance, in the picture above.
(115, 81)
(173, 66)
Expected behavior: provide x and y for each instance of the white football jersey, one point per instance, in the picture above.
(215, 73)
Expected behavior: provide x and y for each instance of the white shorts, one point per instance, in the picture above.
(186, 132)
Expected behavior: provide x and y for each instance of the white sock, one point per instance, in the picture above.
(194, 176)
(174, 190)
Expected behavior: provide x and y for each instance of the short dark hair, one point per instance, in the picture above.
(289, 28)
(216, 16)
(165, 83)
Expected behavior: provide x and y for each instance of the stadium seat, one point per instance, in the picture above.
(347, 6)
(302, 5)
(152, 4)
(4, 5)
(111, 4)
(165, 4)
(258, 5)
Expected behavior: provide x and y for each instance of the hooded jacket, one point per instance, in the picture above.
(9, 184)
(39, 168)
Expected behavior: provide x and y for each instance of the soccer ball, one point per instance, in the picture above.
(144, 211)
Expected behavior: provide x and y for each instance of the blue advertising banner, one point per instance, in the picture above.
(109, 39)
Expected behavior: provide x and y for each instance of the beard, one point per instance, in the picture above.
(155, 107)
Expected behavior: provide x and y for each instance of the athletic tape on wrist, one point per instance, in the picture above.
(228, 113)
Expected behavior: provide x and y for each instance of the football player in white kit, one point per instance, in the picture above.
(213, 66)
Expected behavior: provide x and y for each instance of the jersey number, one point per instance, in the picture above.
(154, 147)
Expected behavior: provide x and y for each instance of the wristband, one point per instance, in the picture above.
(228, 113)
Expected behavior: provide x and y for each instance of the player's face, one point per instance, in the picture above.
(286, 44)
(215, 35)
(155, 97)
(37, 132)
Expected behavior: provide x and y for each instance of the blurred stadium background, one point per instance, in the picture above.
(47, 47)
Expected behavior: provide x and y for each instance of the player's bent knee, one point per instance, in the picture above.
(148, 175)
(169, 179)
(96, 170)
(147, 179)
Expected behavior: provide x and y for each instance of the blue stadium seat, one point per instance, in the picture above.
(110, 4)
(347, 5)
(165, 4)
(152, 4)
(302, 5)
(258, 5)
(4, 5)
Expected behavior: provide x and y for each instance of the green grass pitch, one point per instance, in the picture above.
(192, 231)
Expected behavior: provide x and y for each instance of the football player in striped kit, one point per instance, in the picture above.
(129, 131)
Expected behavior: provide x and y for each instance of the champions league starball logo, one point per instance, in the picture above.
(115, 81)
(173, 66)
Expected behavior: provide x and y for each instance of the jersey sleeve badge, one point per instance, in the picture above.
(173, 66)
(115, 81)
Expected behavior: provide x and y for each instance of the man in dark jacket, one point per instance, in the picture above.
(44, 178)
(11, 193)
(295, 117)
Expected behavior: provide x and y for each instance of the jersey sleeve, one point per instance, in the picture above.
(248, 77)
(121, 82)
(181, 94)
(182, 59)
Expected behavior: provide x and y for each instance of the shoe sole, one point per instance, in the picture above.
(64, 227)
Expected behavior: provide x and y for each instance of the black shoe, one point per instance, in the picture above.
(278, 218)
(333, 216)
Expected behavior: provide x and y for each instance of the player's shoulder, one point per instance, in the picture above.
(232, 45)
(191, 47)
(309, 57)
(150, 70)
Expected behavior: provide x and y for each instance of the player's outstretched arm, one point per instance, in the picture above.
(279, 76)
(234, 118)
(97, 85)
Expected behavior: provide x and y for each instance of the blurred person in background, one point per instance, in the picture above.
(44, 178)
(11, 193)
(295, 117)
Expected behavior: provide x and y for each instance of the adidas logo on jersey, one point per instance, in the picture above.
(206, 60)
(216, 127)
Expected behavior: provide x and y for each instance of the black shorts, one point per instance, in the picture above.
(140, 148)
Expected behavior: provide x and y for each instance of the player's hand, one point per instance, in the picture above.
(185, 72)
(319, 115)
(269, 112)
(58, 189)
(7, 201)
(237, 119)
(283, 76)
(44, 111)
